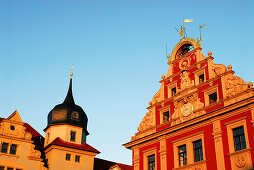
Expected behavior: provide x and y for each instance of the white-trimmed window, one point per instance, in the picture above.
(165, 115)
(150, 159)
(200, 76)
(172, 89)
(189, 150)
(211, 95)
(237, 135)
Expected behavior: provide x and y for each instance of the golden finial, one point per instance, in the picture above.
(71, 71)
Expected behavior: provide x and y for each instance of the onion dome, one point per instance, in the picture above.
(68, 113)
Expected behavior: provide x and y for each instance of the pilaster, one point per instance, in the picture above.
(163, 152)
(217, 136)
(136, 158)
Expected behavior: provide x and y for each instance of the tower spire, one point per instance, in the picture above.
(69, 97)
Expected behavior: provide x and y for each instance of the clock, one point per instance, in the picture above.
(186, 109)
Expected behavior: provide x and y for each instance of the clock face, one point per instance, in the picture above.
(186, 109)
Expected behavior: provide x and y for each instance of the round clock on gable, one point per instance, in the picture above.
(186, 109)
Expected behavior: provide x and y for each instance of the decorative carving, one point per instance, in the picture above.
(158, 96)
(217, 69)
(186, 82)
(184, 64)
(178, 117)
(210, 83)
(235, 85)
(34, 153)
(146, 122)
(240, 161)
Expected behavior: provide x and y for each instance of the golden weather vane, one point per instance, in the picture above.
(71, 71)
(200, 39)
(182, 30)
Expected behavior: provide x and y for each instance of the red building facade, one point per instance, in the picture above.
(201, 118)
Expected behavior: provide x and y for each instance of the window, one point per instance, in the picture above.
(213, 98)
(8, 168)
(13, 149)
(1, 167)
(77, 158)
(198, 150)
(173, 91)
(68, 157)
(73, 136)
(165, 116)
(182, 154)
(4, 147)
(201, 78)
(239, 138)
(151, 162)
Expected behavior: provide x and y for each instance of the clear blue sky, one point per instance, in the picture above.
(117, 48)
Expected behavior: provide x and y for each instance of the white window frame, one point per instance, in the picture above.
(210, 91)
(146, 153)
(234, 124)
(188, 141)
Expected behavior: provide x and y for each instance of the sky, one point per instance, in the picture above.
(118, 51)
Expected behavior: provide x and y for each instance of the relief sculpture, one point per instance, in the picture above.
(146, 122)
(235, 85)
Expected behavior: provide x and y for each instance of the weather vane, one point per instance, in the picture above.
(182, 30)
(200, 39)
(71, 71)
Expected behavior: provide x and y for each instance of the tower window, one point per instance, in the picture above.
(13, 149)
(77, 158)
(198, 150)
(201, 78)
(182, 154)
(173, 91)
(165, 116)
(68, 157)
(151, 162)
(239, 138)
(4, 147)
(73, 136)
(213, 98)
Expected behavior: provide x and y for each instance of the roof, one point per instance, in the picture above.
(101, 164)
(124, 167)
(84, 146)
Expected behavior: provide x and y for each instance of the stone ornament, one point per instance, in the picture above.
(240, 161)
(235, 85)
(146, 122)
(186, 82)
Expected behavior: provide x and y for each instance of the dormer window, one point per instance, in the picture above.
(4, 147)
(73, 136)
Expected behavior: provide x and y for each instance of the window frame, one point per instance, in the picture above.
(146, 153)
(162, 111)
(210, 91)
(200, 156)
(232, 125)
(75, 135)
(7, 149)
(152, 162)
(197, 73)
(188, 141)
(67, 157)
(77, 156)
(15, 149)
(170, 87)
(184, 153)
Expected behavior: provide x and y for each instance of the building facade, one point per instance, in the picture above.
(200, 119)
(63, 148)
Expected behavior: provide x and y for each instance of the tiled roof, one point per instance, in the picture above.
(101, 164)
(84, 146)
(124, 167)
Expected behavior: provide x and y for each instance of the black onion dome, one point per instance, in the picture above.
(68, 113)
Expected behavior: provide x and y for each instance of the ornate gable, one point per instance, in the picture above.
(193, 86)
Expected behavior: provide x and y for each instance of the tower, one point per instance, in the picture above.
(65, 140)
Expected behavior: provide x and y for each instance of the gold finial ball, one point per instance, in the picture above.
(163, 76)
(150, 103)
(229, 67)
(250, 84)
(209, 53)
